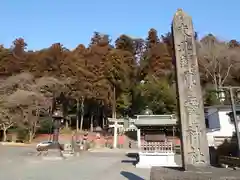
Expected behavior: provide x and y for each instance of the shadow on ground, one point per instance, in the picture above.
(130, 175)
(174, 168)
(133, 162)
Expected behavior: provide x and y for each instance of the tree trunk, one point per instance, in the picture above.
(32, 131)
(81, 122)
(103, 117)
(66, 124)
(4, 139)
(77, 122)
(114, 103)
(91, 123)
(103, 122)
(82, 114)
(30, 136)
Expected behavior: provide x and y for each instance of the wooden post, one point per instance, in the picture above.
(115, 134)
(114, 116)
(173, 131)
(139, 138)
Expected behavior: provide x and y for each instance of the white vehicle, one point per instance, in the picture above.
(42, 145)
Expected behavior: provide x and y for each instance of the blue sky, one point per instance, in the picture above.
(71, 22)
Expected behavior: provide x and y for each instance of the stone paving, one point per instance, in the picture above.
(194, 173)
(19, 163)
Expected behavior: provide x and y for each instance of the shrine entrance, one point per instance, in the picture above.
(129, 133)
(156, 140)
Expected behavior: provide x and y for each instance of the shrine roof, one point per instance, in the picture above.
(222, 107)
(156, 120)
(150, 120)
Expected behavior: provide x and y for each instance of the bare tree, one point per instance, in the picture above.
(28, 97)
(216, 60)
(8, 117)
(49, 85)
(19, 81)
(28, 105)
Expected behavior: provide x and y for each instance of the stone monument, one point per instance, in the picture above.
(195, 150)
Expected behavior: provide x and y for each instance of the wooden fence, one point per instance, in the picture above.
(157, 147)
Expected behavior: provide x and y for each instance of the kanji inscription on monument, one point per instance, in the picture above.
(194, 140)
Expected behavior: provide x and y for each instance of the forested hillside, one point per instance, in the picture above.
(105, 77)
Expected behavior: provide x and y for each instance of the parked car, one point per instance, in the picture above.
(42, 145)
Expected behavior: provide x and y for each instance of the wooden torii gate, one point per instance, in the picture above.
(120, 124)
(135, 124)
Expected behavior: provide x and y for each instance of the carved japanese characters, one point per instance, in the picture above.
(194, 141)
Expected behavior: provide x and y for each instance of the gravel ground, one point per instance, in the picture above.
(20, 163)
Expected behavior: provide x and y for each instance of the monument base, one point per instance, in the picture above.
(54, 152)
(148, 160)
(203, 173)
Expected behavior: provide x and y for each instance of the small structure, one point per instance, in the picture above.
(155, 149)
(219, 123)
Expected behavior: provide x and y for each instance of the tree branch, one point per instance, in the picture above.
(227, 73)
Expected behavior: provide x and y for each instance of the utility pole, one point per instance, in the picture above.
(235, 120)
(234, 112)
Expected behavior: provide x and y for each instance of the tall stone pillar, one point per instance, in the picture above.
(191, 111)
